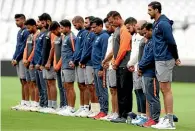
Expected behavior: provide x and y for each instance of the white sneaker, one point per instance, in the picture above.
(77, 113)
(42, 109)
(34, 109)
(17, 107)
(113, 116)
(60, 111)
(92, 114)
(50, 111)
(84, 113)
(26, 108)
(69, 111)
(164, 124)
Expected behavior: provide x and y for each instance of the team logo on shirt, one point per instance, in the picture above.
(97, 40)
(22, 33)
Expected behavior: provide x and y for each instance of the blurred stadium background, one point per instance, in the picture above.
(182, 12)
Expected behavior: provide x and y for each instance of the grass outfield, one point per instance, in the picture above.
(184, 108)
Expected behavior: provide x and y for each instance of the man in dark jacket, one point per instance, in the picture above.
(98, 53)
(86, 63)
(147, 68)
(166, 57)
(78, 23)
(17, 59)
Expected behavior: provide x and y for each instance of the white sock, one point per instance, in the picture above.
(92, 107)
(54, 104)
(96, 107)
(49, 103)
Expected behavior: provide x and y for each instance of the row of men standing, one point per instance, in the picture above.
(47, 52)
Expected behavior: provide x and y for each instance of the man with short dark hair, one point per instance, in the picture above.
(68, 72)
(86, 63)
(27, 58)
(78, 23)
(98, 53)
(122, 50)
(110, 74)
(55, 29)
(17, 59)
(35, 64)
(147, 70)
(132, 25)
(47, 64)
(166, 57)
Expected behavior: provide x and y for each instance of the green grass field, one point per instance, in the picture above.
(184, 108)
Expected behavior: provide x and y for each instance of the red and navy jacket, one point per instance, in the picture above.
(21, 43)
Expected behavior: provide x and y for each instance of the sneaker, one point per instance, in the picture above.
(71, 112)
(26, 108)
(114, 116)
(16, 107)
(92, 114)
(34, 109)
(132, 115)
(42, 109)
(119, 120)
(106, 118)
(85, 113)
(99, 115)
(136, 120)
(77, 113)
(165, 124)
(149, 123)
(50, 111)
(62, 111)
(141, 121)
